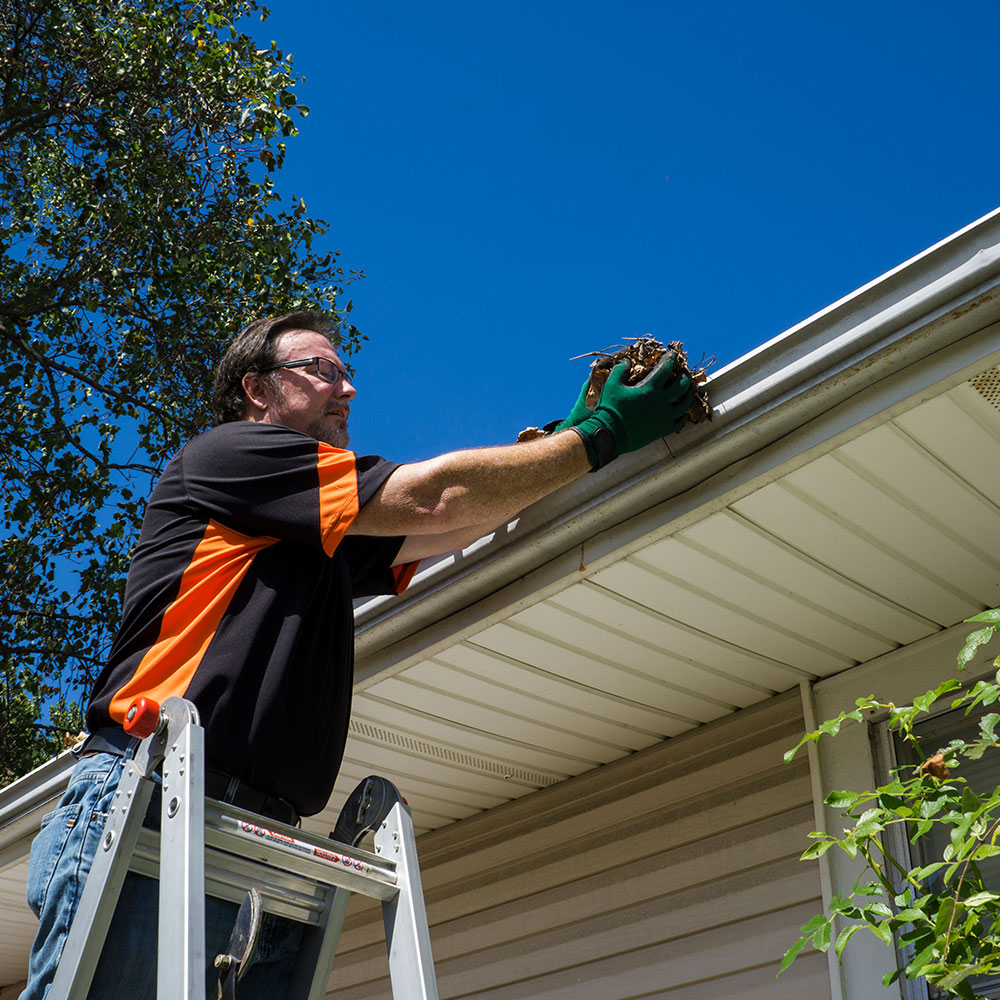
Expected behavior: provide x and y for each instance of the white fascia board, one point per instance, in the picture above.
(917, 330)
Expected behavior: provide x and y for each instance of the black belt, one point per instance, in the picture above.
(228, 788)
(218, 784)
(109, 739)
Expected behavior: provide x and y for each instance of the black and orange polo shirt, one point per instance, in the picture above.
(239, 598)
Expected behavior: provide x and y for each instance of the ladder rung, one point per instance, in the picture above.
(226, 877)
(291, 849)
(281, 860)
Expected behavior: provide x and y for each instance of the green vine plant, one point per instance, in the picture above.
(943, 917)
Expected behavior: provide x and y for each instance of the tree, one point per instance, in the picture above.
(943, 914)
(141, 228)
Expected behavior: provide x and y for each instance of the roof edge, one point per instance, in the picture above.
(939, 298)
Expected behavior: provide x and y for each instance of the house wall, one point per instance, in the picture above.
(672, 872)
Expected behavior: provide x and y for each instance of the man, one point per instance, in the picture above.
(255, 541)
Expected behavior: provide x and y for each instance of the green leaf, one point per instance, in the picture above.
(944, 915)
(868, 828)
(821, 938)
(993, 615)
(988, 725)
(890, 977)
(817, 920)
(970, 801)
(882, 931)
(844, 936)
(954, 979)
(848, 847)
(816, 850)
(972, 643)
(980, 899)
(842, 799)
(964, 990)
(792, 953)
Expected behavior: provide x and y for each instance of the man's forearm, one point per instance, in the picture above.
(417, 547)
(464, 488)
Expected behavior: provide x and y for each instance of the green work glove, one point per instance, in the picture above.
(628, 417)
(577, 415)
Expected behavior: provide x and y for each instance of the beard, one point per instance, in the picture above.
(332, 431)
(329, 428)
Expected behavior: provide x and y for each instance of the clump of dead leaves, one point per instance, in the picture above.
(935, 767)
(642, 354)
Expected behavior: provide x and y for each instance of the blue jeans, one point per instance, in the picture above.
(61, 858)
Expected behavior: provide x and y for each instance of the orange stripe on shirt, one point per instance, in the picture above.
(217, 567)
(402, 575)
(338, 494)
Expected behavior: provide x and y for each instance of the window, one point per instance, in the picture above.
(983, 776)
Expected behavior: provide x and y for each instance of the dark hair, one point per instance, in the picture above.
(253, 349)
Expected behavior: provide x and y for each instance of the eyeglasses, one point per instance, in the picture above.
(326, 369)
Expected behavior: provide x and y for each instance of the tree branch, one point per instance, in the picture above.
(66, 654)
(50, 365)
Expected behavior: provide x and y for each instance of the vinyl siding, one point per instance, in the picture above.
(674, 871)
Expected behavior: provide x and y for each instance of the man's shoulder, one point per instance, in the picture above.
(240, 440)
(246, 435)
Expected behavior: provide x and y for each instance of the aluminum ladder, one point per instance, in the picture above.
(208, 845)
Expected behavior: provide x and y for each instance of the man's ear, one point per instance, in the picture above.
(258, 396)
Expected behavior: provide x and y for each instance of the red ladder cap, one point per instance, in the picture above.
(142, 717)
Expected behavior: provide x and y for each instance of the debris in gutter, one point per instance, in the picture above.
(643, 355)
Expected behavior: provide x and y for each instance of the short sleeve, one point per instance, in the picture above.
(261, 479)
(370, 560)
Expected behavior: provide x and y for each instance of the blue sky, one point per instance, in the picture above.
(522, 183)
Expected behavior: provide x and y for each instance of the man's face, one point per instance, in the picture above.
(305, 401)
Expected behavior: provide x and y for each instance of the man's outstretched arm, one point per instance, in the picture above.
(461, 492)
(470, 489)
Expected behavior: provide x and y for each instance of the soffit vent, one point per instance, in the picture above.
(435, 751)
(987, 385)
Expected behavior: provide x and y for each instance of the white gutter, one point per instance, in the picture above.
(925, 324)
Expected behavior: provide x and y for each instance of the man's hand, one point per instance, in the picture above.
(578, 414)
(628, 417)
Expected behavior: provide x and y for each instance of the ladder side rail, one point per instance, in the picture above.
(89, 929)
(411, 965)
(181, 937)
(319, 946)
